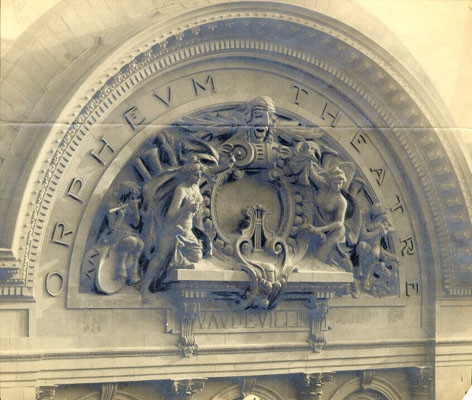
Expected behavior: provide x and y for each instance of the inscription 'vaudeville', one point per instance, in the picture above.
(263, 320)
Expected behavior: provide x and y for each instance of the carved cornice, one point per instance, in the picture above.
(207, 350)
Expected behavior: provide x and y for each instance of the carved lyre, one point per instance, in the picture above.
(264, 257)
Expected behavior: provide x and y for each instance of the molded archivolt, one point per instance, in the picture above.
(376, 85)
(377, 388)
(234, 393)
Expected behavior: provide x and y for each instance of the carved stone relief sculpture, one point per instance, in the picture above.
(241, 188)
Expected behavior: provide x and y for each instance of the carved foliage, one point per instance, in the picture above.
(188, 314)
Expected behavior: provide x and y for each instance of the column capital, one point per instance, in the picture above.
(313, 385)
(185, 389)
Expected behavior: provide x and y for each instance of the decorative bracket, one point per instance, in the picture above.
(108, 391)
(366, 379)
(318, 309)
(189, 308)
(246, 386)
(185, 389)
(313, 384)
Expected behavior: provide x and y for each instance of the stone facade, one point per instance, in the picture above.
(238, 200)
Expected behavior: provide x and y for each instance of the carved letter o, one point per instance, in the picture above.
(54, 283)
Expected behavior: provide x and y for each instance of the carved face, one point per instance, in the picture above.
(260, 123)
(336, 185)
(195, 175)
(384, 224)
(308, 149)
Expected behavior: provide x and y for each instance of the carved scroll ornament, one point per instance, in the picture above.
(242, 188)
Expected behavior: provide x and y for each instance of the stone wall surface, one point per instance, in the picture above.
(198, 194)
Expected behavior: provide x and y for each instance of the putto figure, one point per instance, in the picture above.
(121, 237)
(325, 238)
(373, 257)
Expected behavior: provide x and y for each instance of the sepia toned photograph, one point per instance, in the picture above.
(236, 200)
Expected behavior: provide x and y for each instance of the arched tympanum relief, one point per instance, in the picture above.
(240, 188)
(248, 171)
(376, 389)
(309, 47)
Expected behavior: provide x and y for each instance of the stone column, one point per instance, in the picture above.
(420, 380)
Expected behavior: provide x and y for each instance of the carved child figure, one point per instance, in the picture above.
(330, 210)
(372, 256)
(123, 215)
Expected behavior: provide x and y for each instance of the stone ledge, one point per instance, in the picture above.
(185, 275)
